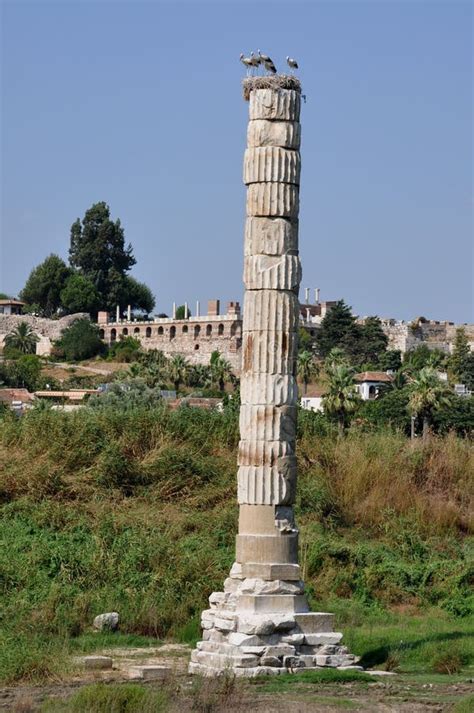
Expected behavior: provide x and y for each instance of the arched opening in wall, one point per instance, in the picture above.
(372, 392)
(235, 330)
(197, 331)
(208, 330)
(220, 330)
(148, 332)
(313, 332)
(101, 333)
(113, 335)
(185, 329)
(160, 331)
(172, 332)
(136, 330)
(196, 347)
(125, 331)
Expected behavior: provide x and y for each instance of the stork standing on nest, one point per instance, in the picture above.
(248, 62)
(292, 64)
(267, 62)
(256, 61)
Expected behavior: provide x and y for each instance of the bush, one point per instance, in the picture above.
(126, 350)
(22, 373)
(80, 341)
(111, 698)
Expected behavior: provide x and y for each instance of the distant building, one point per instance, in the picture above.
(368, 383)
(9, 307)
(312, 400)
(16, 399)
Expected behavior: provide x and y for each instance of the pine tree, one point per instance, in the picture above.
(459, 361)
(337, 328)
(98, 251)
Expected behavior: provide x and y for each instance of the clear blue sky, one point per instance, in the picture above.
(139, 104)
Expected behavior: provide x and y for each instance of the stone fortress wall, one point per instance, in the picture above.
(195, 337)
(436, 335)
(48, 330)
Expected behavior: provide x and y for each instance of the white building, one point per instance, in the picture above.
(368, 383)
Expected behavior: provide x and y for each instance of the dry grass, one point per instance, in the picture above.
(271, 81)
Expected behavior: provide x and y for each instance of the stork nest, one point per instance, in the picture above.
(270, 81)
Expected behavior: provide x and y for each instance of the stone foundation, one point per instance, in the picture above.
(260, 626)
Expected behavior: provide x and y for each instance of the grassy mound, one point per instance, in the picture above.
(135, 511)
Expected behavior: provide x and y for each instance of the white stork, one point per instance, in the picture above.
(292, 63)
(267, 62)
(256, 61)
(247, 62)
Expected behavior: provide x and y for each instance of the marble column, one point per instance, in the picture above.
(260, 623)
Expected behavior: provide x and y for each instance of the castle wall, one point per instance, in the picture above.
(195, 338)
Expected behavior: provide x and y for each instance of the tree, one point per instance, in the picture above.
(80, 341)
(306, 368)
(390, 408)
(390, 360)
(80, 295)
(137, 295)
(422, 356)
(177, 370)
(22, 339)
(337, 328)
(372, 341)
(182, 313)
(341, 398)
(126, 395)
(304, 339)
(98, 251)
(221, 372)
(126, 350)
(45, 283)
(23, 372)
(428, 394)
(459, 363)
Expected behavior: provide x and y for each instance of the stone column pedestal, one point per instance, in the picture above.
(260, 623)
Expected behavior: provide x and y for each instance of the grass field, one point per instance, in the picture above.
(136, 512)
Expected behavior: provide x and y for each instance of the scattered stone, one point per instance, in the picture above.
(106, 622)
(381, 673)
(148, 673)
(94, 663)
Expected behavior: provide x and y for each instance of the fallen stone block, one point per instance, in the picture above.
(328, 641)
(94, 663)
(148, 672)
(315, 622)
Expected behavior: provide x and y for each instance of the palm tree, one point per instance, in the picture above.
(22, 338)
(306, 368)
(428, 394)
(341, 397)
(177, 370)
(221, 371)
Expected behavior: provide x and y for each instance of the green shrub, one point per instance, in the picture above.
(111, 698)
(80, 341)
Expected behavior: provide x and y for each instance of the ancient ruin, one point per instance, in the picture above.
(260, 623)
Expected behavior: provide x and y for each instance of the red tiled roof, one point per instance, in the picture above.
(9, 395)
(374, 376)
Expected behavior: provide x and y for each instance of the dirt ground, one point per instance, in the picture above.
(398, 694)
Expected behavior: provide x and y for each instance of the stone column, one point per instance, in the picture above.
(260, 623)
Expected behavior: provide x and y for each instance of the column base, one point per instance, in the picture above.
(250, 632)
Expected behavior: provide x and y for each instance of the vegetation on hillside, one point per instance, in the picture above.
(111, 509)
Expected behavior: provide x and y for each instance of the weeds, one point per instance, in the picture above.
(135, 512)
